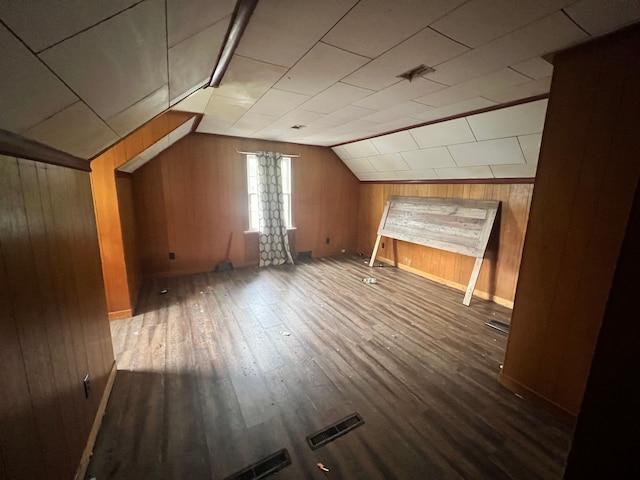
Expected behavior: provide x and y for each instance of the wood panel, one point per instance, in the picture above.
(53, 320)
(193, 196)
(129, 240)
(587, 175)
(499, 273)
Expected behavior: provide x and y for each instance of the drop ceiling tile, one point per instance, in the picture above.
(470, 105)
(249, 123)
(508, 122)
(359, 165)
(395, 142)
(210, 124)
(196, 102)
(282, 31)
(598, 17)
(187, 93)
(341, 152)
(335, 97)
(389, 162)
(320, 68)
(298, 117)
(514, 171)
(377, 176)
(141, 112)
(530, 145)
(272, 132)
(464, 173)
(426, 174)
(41, 24)
(489, 152)
(248, 79)
(474, 88)
(543, 36)
(535, 68)
(399, 93)
(116, 63)
(480, 21)
(75, 130)
(524, 90)
(363, 148)
(227, 109)
(186, 18)
(277, 102)
(429, 158)
(444, 133)
(35, 93)
(354, 128)
(345, 114)
(426, 47)
(406, 109)
(402, 123)
(192, 60)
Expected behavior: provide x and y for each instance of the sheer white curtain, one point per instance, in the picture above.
(274, 242)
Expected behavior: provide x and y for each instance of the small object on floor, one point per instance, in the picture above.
(369, 280)
(500, 326)
(286, 334)
(163, 291)
(322, 467)
(226, 265)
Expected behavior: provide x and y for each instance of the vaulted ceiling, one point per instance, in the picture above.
(79, 75)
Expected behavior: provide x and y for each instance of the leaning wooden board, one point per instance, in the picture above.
(452, 224)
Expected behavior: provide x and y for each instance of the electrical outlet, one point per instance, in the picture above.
(328, 240)
(87, 385)
(382, 245)
(172, 256)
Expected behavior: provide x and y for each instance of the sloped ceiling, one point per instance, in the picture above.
(79, 75)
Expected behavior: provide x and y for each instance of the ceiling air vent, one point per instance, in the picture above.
(297, 127)
(418, 71)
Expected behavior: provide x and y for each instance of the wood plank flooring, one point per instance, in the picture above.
(209, 382)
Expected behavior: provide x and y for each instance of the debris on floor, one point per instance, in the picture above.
(322, 467)
(285, 333)
(369, 280)
(163, 291)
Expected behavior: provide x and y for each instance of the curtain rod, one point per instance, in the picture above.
(295, 155)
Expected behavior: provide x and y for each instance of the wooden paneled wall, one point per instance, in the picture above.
(587, 175)
(193, 196)
(499, 271)
(114, 213)
(53, 319)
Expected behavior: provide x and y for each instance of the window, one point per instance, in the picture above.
(252, 187)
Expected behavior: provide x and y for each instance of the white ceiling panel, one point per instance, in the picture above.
(470, 105)
(427, 47)
(359, 128)
(191, 61)
(388, 163)
(249, 123)
(320, 68)
(298, 117)
(359, 165)
(535, 68)
(395, 142)
(464, 173)
(406, 109)
(524, 90)
(363, 148)
(210, 124)
(392, 125)
(248, 79)
(506, 122)
(480, 21)
(30, 92)
(530, 145)
(474, 88)
(188, 17)
(345, 114)
(335, 97)
(546, 35)
(598, 16)
(514, 171)
(427, 174)
(41, 24)
(196, 102)
(76, 130)
(127, 121)
(399, 93)
(227, 109)
(341, 152)
(374, 26)
(373, 176)
(282, 31)
(277, 102)
(125, 56)
(429, 158)
(441, 134)
(490, 152)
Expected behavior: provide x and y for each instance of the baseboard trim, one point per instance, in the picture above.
(537, 399)
(97, 422)
(120, 314)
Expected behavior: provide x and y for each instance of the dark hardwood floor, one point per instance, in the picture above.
(210, 381)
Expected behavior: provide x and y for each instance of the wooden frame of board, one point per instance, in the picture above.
(452, 224)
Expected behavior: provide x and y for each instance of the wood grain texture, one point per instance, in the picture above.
(499, 272)
(191, 197)
(210, 384)
(588, 172)
(53, 320)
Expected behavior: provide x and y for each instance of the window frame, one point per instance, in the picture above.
(252, 192)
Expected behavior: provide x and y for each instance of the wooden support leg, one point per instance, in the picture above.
(375, 251)
(472, 282)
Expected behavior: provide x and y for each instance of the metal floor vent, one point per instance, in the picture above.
(264, 467)
(334, 431)
(502, 327)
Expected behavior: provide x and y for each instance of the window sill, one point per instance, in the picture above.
(251, 232)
